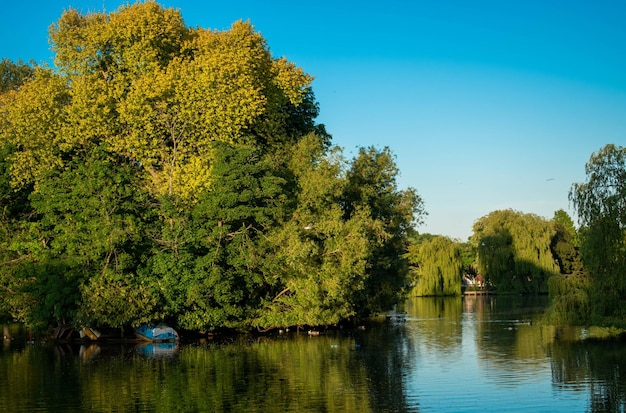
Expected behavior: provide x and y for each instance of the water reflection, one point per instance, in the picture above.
(596, 367)
(156, 350)
(332, 372)
(476, 354)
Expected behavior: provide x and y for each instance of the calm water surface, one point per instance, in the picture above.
(439, 355)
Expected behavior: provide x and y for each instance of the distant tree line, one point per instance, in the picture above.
(511, 251)
(583, 270)
(161, 172)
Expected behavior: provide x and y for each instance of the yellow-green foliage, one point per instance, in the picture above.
(33, 121)
(155, 91)
(178, 173)
(436, 267)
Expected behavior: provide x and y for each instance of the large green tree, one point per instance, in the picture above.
(569, 291)
(93, 220)
(156, 96)
(318, 256)
(514, 251)
(601, 206)
(210, 259)
(372, 185)
(176, 173)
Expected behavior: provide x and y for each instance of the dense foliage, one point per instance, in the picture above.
(13, 75)
(514, 253)
(601, 206)
(437, 267)
(170, 173)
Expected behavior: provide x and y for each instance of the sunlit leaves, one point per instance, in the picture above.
(136, 38)
(32, 121)
(162, 93)
(604, 193)
(436, 267)
(179, 173)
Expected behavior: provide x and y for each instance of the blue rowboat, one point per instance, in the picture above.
(159, 332)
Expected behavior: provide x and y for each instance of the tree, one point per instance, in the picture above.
(317, 262)
(601, 206)
(32, 120)
(569, 290)
(514, 251)
(158, 97)
(93, 222)
(161, 93)
(563, 219)
(372, 186)
(565, 244)
(436, 267)
(211, 262)
(162, 172)
(15, 209)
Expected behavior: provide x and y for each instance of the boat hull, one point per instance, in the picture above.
(158, 333)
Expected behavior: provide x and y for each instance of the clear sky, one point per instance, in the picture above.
(487, 104)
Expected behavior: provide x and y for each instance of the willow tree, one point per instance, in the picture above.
(601, 206)
(436, 267)
(514, 251)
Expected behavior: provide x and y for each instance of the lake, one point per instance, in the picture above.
(471, 354)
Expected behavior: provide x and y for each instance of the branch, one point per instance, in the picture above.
(279, 294)
(13, 261)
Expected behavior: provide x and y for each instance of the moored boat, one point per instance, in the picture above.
(159, 332)
(90, 332)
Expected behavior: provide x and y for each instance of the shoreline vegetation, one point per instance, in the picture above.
(162, 173)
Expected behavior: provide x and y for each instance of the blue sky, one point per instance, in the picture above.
(487, 104)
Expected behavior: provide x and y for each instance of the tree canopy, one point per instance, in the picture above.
(514, 251)
(601, 206)
(437, 267)
(161, 172)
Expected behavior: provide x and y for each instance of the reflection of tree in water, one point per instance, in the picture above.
(509, 342)
(387, 350)
(599, 364)
(356, 371)
(439, 322)
(26, 388)
(360, 371)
